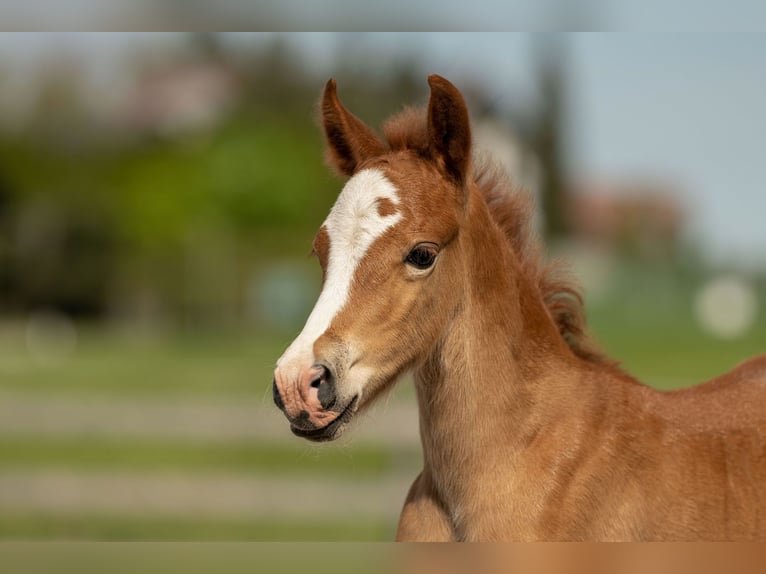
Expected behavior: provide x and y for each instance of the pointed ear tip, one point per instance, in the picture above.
(434, 79)
(330, 87)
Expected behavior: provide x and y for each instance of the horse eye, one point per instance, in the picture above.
(422, 256)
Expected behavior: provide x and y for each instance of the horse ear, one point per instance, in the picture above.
(449, 130)
(349, 140)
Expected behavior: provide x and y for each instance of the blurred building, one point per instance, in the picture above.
(638, 218)
(496, 141)
(182, 98)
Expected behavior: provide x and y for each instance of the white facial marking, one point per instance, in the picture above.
(352, 226)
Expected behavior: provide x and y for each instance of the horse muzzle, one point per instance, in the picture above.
(310, 402)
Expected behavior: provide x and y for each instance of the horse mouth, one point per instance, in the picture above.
(332, 430)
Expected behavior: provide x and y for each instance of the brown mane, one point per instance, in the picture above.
(512, 209)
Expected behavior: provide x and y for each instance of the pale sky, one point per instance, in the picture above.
(688, 109)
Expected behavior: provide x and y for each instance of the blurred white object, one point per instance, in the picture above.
(726, 306)
(282, 295)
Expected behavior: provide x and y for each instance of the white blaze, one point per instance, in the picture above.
(352, 226)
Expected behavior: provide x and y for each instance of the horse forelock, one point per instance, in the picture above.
(408, 130)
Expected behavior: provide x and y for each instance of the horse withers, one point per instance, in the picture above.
(528, 431)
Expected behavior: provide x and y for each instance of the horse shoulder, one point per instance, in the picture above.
(424, 518)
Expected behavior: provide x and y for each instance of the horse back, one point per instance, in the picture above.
(734, 401)
(714, 453)
(750, 372)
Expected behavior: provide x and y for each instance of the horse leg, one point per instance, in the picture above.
(423, 517)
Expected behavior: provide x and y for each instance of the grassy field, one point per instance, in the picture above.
(136, 437)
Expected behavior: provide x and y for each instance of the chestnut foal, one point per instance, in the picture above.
(528, 433)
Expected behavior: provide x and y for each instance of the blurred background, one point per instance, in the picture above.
(158, 197)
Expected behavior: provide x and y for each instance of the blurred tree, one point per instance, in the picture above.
(207, 45)
(59, 112)
(547, 139)
(120, 215)
(6, 218)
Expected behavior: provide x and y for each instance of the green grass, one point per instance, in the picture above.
(659, 347)
(672, 355)
(110, 527)
(357, 461)
(191, 557)
(105, 363)
(658, 340)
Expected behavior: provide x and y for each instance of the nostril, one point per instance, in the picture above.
(276, 396)
(325, 385)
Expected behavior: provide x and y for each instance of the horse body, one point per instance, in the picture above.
(572, 449)
(527, 432)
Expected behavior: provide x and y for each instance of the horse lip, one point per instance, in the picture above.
(328, 432)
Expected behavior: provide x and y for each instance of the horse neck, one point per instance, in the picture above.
(501, 368)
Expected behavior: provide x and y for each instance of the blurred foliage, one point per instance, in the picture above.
(73, 223)
(127, 219)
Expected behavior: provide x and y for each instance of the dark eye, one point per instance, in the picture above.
(422, 256)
